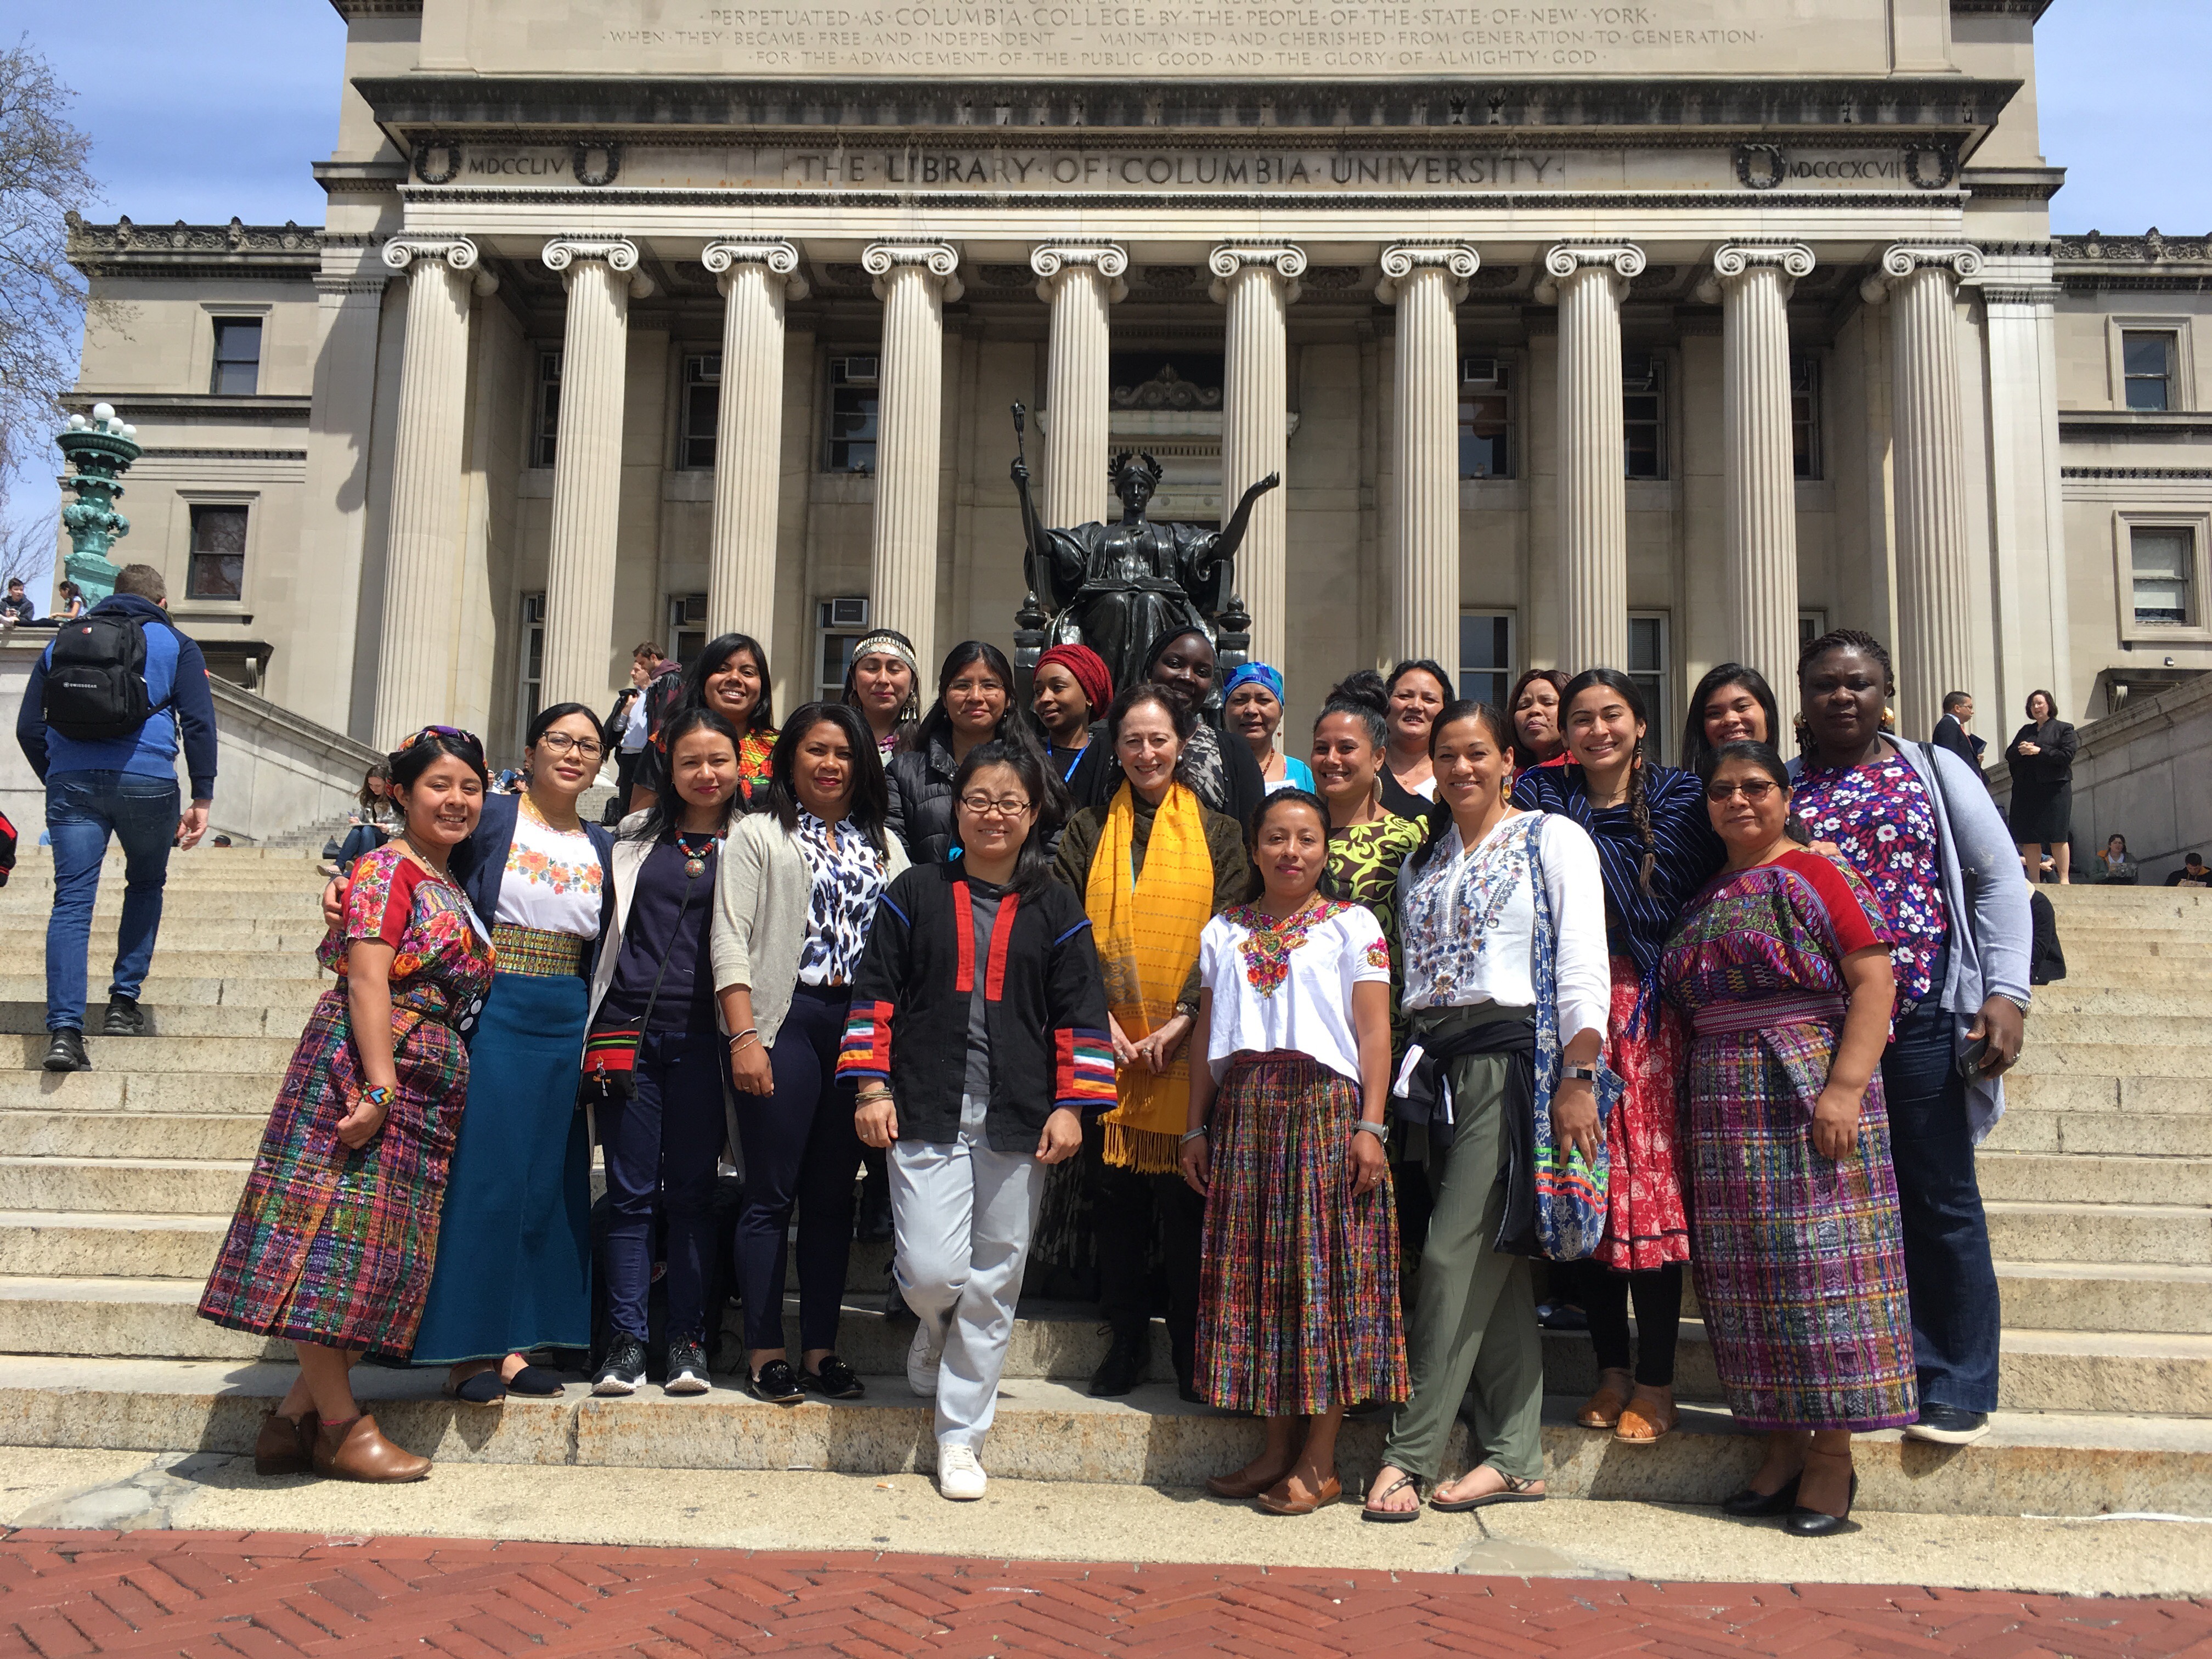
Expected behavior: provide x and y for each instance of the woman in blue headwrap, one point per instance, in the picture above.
(1252, 708)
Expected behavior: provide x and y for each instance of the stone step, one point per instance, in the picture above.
(2163, 1234)
(165, 990)
(144, 1054)
(2093, 1296)
(2135, 1062)
(2029, 1462)
(294, 901)
(155, 1186)
(188, 882)
(2075, 999)
(248, 955)
(129, 1135)
(245, 1092)
(244, 1019)
(2094, 1134)
(2083, 1091)
(2038, 1177)
(2147, 1034)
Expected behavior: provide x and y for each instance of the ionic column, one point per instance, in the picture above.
(1752, 282)
(602, 278)
(1426, 281)
(422, 565)
(1928, 458)
(913, 280)
(1588, 281)
(1078, 281)
(1257, 284)
(756, 279)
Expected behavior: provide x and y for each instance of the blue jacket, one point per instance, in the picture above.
(479, 864)
(176, 675)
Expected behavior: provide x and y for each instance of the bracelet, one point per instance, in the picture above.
(872, 1097)
(1363, 1127)
(1193, 1135)
(743, 1041)
(1579, 1073)
(379, 1096)
(749, 1031)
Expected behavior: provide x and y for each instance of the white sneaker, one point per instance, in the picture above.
(960, 1474)
(923, 1358)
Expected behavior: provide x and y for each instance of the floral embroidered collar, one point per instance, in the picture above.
(1268, 943)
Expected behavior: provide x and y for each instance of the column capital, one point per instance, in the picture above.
(619, 253)
(1621, 261)
(780, 257)
(458, 253)
(1459, 261)
(938, 260)
(1109, 258)
(1287, 261)
(1732, 260)
(1903, 259)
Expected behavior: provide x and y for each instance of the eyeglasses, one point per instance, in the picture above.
(1753, 790)
(561, 743)
(983, 807)
(467, 739)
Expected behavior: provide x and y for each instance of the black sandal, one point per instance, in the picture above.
(833, 1380)
(1369, 1512)
(1515, 1490)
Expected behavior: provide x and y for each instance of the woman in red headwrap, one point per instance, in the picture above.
(1072, 688)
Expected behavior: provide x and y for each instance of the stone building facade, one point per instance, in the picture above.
(1654, 335)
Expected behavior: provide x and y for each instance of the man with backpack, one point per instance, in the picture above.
(100, 723)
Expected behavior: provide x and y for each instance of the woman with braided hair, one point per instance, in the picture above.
(1655, 849)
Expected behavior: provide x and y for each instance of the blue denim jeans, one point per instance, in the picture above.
(83, 809)
(664, 1144)
(1955, 1316)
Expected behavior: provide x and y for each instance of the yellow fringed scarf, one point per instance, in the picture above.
(1145, 949)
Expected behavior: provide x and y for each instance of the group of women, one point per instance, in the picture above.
(1325, 1057)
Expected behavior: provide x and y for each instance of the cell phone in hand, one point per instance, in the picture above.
(1970, 1063)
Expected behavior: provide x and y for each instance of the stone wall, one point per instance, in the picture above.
(273, 771)
(2145, 773)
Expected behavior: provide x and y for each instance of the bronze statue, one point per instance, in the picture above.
(1117, 588)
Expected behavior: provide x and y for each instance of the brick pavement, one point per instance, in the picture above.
(273, 1595)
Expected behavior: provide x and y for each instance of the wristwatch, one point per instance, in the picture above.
(1581, 1073)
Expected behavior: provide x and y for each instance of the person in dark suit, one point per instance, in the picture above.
(2041, 757)
(1951, 730)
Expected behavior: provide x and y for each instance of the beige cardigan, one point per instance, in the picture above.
(761, 893)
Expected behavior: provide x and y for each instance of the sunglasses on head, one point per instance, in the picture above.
(466, 739)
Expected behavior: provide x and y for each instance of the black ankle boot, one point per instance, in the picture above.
(1124, 1367)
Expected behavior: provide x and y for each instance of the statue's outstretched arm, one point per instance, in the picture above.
(1232, 533)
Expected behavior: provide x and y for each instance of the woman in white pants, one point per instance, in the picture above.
(978, 1040)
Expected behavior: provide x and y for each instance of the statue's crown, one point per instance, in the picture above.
(1125, 460)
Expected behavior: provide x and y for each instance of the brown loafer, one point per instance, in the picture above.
(1646, 1422)
(1240, 1487)
(286, 1445)
(358, 1451)
(1282, 1500)
(1602, 1409)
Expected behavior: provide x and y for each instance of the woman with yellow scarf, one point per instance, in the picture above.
(1154, 866)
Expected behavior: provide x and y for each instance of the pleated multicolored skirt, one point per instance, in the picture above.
(1298, 1285)
(1799, 1259)
(1644, 1226)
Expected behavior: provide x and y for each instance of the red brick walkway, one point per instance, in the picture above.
(269, 1596)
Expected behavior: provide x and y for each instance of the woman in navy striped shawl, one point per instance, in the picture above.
(1655, 849)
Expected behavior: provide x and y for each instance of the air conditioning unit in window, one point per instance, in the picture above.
(856, 371)
(850, 613)
(686, 609)
(1481, 371)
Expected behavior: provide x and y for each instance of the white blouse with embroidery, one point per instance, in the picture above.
(1289, 990)
(552, 879)
(1466, 922)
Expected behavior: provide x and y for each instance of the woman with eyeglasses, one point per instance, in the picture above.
(514, 1253)
(1782, 965)
(335, 1238)
(1152, 868)
(729, 678)
(977, 1041)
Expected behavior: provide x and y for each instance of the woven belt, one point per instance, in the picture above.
(536, 953)
(1724, 1018)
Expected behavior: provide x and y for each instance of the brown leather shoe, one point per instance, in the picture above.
(286, 1445)
(1646, 1421)
(358, 1451)
(1602, 1410)
(1284, 1498)
(1239, 1485)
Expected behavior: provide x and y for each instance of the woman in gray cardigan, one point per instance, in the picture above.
(797, 890)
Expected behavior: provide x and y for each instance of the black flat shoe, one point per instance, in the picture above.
(833, 1380)
(1123, 1368)
(1818, 1523)
(1761, 1505)
(535, 1380)
(479, 1389)
(65, 1052)
(776, 1383)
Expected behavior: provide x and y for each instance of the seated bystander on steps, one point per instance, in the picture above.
(116, 1185)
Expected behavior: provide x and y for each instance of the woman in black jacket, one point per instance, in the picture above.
(974, 705)
(977, 1038)
(2041, 757)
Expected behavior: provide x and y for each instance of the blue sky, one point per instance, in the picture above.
(200, 109)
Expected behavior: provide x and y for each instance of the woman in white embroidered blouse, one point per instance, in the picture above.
(1298, 1292)
(1502, 923)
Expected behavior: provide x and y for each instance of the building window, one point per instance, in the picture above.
(545, 409)
(238, 356)
(1485, 655)
(218, 567)
(702, 408)
(840, 625)
(2146, 360)
(1805, 414)
(1486, 420)
(1647, 667)
(530, 678)
(1644, 410)
(2165, 576)
(1811, 624)
(687, 627)
(851, 445)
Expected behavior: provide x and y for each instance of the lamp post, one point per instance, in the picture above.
(101, 450)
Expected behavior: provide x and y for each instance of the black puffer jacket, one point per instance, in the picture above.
(921, 784)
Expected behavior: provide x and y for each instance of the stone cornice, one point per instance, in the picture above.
(2140, 474)
(278, 408)
(2150, 262)
(183, 250)
(2031, 10)
(2133, 425)
(1931, 106)
(351, 9)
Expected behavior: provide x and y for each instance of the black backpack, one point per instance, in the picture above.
(96, 679)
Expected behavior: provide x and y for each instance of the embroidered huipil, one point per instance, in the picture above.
(849, 877)
(1879, 814)
(1288, 988)
(552, 879)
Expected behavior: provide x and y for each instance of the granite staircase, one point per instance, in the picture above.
(116, 1184)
